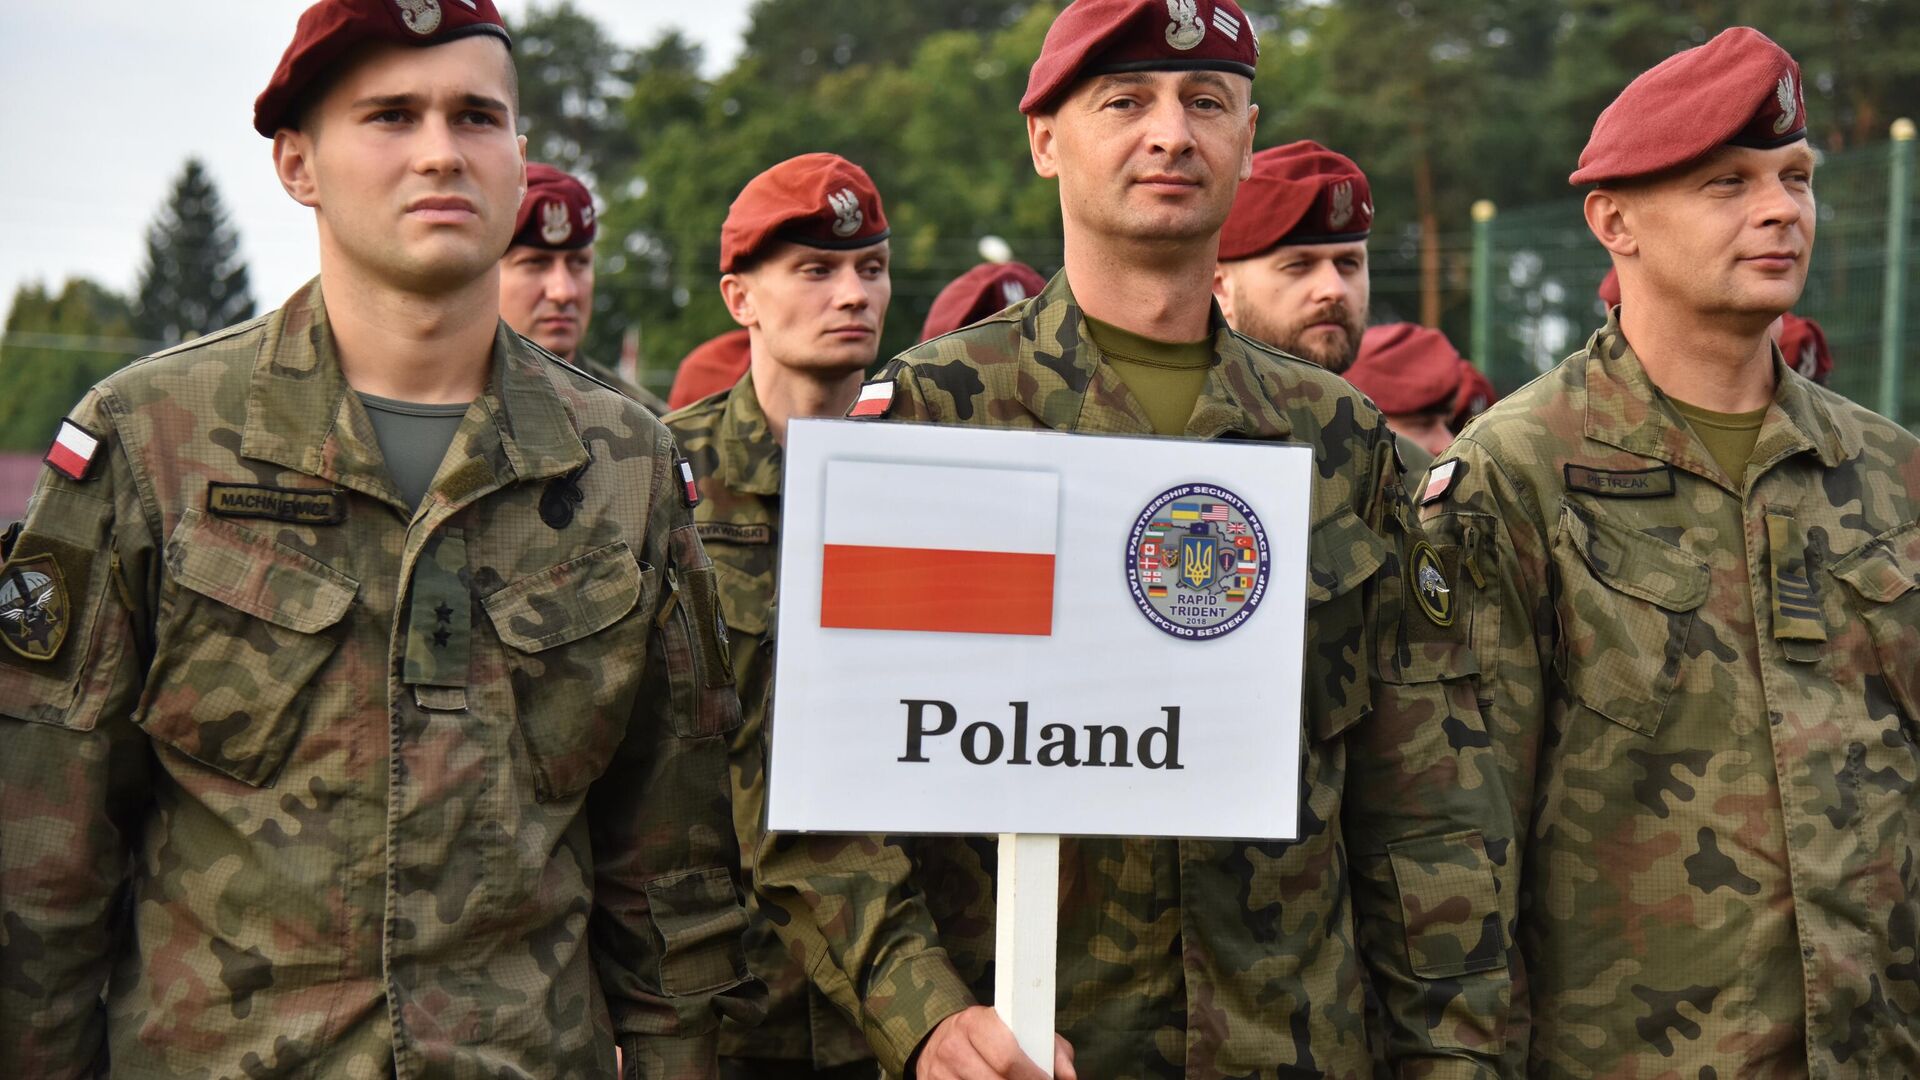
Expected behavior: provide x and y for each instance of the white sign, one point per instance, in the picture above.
(988, 631)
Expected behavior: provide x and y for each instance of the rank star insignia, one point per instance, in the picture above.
(1430, 589)
(33, 608)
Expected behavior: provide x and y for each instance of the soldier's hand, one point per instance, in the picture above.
(974, 1044)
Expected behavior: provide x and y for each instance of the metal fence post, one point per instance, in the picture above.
(1893, 301)
(1481, 342)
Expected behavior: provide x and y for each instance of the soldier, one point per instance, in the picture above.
(1695, 573)
(1181, 957)
(803, 262)
(546, 279)
(363, 705)
(1293, 260)
(982, 291)
(1416, 376)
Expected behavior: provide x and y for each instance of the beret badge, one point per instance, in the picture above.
(846, 212)
(1186, 30)
(555, 225)
(421, 16)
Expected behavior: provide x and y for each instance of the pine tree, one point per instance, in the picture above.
(193, 281)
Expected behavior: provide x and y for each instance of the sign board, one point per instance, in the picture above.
(987, 631)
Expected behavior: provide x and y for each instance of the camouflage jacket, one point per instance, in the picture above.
(1207, 958)
(309, 782)
(1707, 703)
(736, 464)
(606, 373)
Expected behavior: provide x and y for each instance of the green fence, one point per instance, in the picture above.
(1531, 276)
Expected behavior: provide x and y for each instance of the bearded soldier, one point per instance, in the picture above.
(1692, 581)
(372, 720)
(804, 272)
(1181, 957)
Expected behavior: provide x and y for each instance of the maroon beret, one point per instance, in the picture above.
(820, 200)
(1407, 368)
(1609, 290)
(557, 212)
(330, 29)
(712, 366)
(1474, 396)
(1739, 88)
(1804, 345)
(1300, 193)
(978, 293)
(1103, 37)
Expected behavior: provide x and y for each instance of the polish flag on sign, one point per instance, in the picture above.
(907, 549)
(72, 451)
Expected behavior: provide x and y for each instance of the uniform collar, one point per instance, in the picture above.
(301, 416)
(1064, 383)
(749, 457)
(1625, 409)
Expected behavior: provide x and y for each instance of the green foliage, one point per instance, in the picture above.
(54, 348)
(193, 281)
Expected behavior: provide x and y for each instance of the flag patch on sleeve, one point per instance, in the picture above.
(73, 451)
(874, 400)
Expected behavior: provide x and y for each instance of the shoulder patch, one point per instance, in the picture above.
(1428, 581)
(73, 451)
(731, 533)
(875, 401)
(1440, 480)
(689, 491)
(34, 613)
(296, 506)
(1621, 483)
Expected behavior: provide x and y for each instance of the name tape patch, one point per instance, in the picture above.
(296, 506)
(1621, 483)
(734, 534)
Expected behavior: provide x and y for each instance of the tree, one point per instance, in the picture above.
(54, 348)
(193, 281)
(573, 78)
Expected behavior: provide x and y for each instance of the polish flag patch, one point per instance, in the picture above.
(1439, 482)
(904, 552)
(689, 490)
(73, 451)
(874, 400)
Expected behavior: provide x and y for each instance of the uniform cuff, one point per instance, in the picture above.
(907, 1002)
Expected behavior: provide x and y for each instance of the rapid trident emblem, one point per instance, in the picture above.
(1186, 30)
(846, 209)
(1790, 108)
(421, 16)
(1341, 210)
(555, 226)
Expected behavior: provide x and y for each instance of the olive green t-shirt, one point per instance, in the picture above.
(413, 438)
(1165, 376)
(1730, 437)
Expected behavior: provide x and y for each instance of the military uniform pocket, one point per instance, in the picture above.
(1342, 554)
(699, 660)
(702, 927)
(1626, 604)
(66, 641)
(1884, 576)
(576, 637)
(1448, 904)
(245, 625)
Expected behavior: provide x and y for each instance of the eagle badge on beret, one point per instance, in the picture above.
(1341, 210)
(1186, 30)
(555, 225)
(846, 211)
(421, 16)
(1789, 106)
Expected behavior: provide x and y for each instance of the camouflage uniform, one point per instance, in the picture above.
(607, 374)
(1209, 958)
(1707, 703)
(736, 463)
(261, 819)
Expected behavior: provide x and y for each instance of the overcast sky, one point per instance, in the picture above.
(102, 100)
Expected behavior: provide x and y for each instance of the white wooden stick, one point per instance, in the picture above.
(1026, 935)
